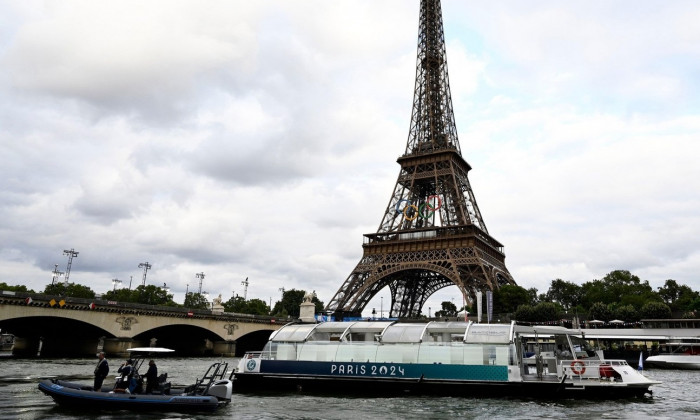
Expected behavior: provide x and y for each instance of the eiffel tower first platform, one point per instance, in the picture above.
(432, 234)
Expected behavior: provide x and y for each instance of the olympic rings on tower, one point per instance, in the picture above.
(419, 210)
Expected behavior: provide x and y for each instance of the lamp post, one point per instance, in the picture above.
(114, 284)
(381, 308)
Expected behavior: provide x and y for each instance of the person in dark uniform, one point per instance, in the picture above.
(151, 377)
(125, 371)
(101, 371)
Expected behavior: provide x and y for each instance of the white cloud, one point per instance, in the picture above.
(255, 139)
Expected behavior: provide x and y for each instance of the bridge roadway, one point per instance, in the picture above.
(55, 326)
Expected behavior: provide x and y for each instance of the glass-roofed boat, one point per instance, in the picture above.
(447, 358)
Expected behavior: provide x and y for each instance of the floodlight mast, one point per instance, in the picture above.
(146, 266)
(245, 289)
(200, 276)
(71, 253)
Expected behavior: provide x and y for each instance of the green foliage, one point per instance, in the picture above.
(600, 311)
(627, 313)
(655, 310)
(547, 311)
(149, 295)
(69, 290)
(448, 310)
(677, 297)
(525, 313)
(196, 301)
(253, 306)
(291, 302)
(18, 288)
(565, 293)
(509, 297)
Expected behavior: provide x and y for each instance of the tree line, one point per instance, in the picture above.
(154, 295)
(618, 295)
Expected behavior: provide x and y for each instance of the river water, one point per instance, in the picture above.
(20, 399)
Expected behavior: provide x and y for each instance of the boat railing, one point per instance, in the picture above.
(591, 368)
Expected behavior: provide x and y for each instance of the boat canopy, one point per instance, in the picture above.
(391, 332)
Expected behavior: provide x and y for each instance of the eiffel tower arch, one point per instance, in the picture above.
(432, 234)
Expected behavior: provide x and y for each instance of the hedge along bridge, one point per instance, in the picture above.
(53, 326)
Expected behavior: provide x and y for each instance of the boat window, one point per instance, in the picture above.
(403, 333)
(294, 332)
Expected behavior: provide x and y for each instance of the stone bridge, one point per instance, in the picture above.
(53, 326)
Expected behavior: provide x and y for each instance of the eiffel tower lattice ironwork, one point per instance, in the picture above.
(432, 235)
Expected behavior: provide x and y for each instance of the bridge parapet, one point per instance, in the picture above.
(101, 305)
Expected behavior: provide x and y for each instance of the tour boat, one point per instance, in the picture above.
(681, 356)
(445, 358)
(206, 394)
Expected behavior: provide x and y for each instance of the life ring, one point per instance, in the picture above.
(578, 367)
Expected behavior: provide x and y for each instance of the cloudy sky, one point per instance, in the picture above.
(258, 139)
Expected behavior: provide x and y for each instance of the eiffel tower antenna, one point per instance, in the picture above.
(432, 234)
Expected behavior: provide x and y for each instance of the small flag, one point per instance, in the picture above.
(28, 301)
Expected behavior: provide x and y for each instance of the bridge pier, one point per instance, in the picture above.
(225, 348)
(117, 346)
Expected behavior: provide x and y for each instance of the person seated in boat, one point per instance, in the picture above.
(125, 372)
(151, 377)
(562, 352)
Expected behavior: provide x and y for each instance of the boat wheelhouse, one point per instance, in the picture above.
(460, 358)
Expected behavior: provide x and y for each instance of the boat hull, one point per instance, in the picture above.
(671, 361)
(73, 395)
(419, 379)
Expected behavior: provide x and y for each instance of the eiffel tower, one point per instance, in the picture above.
(432, 234)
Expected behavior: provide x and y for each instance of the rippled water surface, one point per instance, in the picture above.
(676, 398)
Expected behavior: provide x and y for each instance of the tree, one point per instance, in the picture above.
(196, 301)
(627, 313)
(525, 313)
(600, 311)
(235, 304)
(565, 293)
(69, 290)
(291, 302)
(677, 297)
(448, 310)
(152, 295)
(120, 295)
(547, 311)
(18, 288)
(655, 310)
(257, 307)
(618, 287)
(507, 298)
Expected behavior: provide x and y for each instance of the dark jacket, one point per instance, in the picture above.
(102, 368)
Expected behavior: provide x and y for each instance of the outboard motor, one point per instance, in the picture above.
(221, 389)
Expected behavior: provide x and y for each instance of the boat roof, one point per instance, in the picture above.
(148, 350)
(396, 332)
